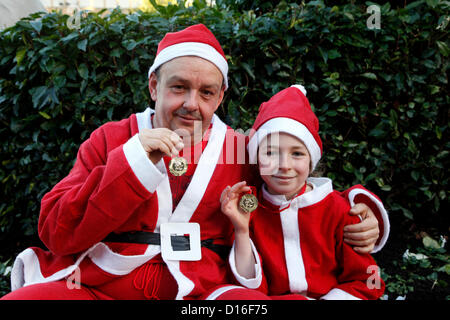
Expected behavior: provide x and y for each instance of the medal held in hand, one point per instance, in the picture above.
(178, 166)
(248, 202)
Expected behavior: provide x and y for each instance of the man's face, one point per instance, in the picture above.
(187, 92)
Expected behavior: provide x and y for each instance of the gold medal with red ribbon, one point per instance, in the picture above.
(249, 202)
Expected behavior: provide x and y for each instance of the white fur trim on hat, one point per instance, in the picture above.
(286, 125)
(198, 49)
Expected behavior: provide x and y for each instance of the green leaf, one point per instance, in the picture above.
(39, 96)
(324, 55)
(20, 54)
(333, 54)
(443, 48)
(429, 242)
(348, 167)
(133, 18)
(82, 44)
(370, 75)
(334, 75)
(248, 70)
(377, 132)
(45, 115)
(37, 25)
(83, 71)
(69, 37)
(129, 44)
(310, 65)
(445, 268)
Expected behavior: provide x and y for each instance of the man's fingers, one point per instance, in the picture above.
(358, 209)
(368, 223)
(162, 139)
(361, 243)
(359, 236)
(170, 145)
(365, 249)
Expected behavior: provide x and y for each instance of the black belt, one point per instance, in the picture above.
(179, 243)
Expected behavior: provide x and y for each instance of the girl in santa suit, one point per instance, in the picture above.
(296, 250)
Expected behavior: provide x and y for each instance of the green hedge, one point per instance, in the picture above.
(381, 96)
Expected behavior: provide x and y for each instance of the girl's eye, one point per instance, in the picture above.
(271, 153)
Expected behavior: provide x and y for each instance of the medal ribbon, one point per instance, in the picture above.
(253, 191)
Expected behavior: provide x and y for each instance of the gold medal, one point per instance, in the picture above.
(248, 202)
(178, 166)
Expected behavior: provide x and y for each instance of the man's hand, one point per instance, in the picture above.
(363, 235)
(159, 142)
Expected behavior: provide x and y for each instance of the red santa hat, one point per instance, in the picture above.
(288, 111)
(195, 40)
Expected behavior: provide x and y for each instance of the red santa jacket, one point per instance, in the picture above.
(301, 249)
(114, 187)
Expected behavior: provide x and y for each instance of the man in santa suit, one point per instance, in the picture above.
(126, 223)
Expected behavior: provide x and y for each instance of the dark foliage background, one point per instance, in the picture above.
(381, 96)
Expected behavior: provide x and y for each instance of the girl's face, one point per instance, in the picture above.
(284, 164)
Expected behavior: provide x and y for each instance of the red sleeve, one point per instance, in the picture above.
(259, 282)
(359, 194)
(98, 195)
(358, 274)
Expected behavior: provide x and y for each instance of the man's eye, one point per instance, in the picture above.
(178, 87)
(208, 93)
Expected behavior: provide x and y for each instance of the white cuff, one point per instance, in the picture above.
(252, 283)
(143, 168)
(351, 196)
(338, 294)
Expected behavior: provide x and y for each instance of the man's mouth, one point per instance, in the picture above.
(188, 116)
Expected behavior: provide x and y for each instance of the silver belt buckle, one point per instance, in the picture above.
(192, 230)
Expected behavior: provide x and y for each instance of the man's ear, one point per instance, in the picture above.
(152, 85)
(221, 95)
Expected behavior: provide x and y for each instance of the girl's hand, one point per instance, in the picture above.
(229, 200)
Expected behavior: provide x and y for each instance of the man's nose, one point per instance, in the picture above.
(191, 100)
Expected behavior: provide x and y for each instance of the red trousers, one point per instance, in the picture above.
(150, 281)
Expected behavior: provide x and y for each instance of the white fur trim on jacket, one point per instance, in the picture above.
(338, 294)
(251, 283)
(351, 197)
